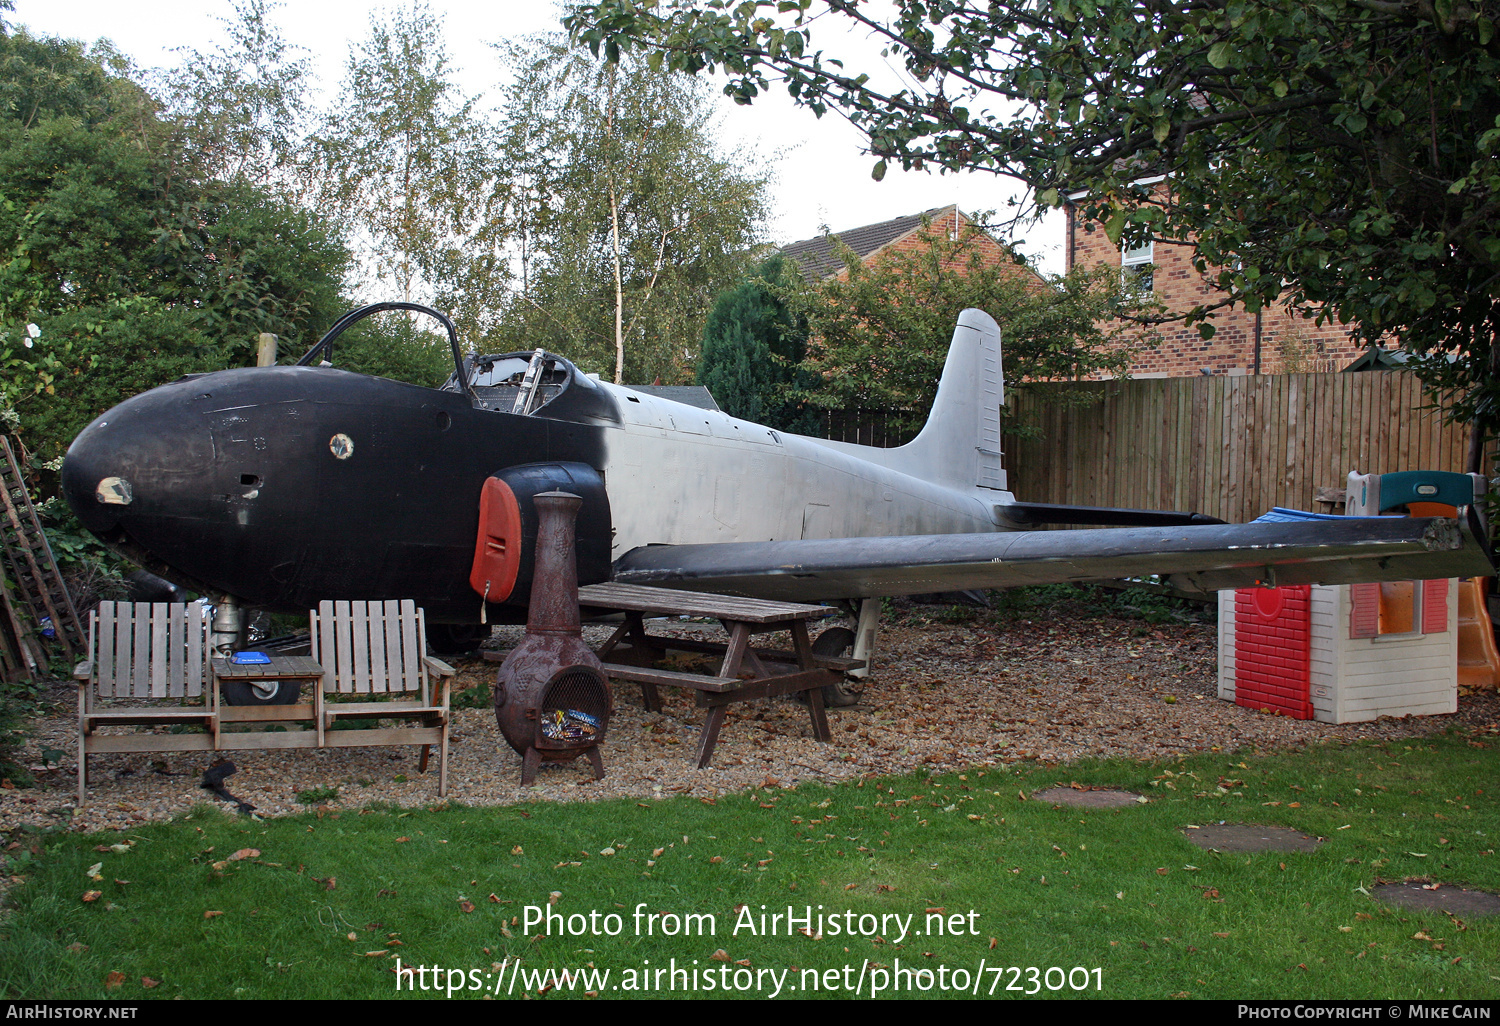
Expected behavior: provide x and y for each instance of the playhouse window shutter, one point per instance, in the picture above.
(1435, 606)
(1364, 610)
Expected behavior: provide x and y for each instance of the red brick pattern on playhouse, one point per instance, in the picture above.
(1272, 649)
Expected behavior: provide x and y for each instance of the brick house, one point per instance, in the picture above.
(1274, 340)
(911, 233)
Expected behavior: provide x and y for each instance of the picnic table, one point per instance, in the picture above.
(745, 672)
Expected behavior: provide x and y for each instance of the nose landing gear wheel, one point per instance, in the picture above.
(260, 692)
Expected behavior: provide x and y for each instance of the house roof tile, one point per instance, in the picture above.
(818, 260)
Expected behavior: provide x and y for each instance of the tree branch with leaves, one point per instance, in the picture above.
(1339, 156)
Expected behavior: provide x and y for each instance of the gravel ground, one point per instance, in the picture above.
(946, 693)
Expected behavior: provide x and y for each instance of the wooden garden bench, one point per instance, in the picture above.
(145, 667)
(375, 663)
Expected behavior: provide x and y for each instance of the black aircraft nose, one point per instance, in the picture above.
(142, 459)
(284, 486)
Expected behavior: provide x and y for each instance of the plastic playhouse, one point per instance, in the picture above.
(1349, 653)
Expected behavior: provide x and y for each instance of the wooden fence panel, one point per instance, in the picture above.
(1232, 447)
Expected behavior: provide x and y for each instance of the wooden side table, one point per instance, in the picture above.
(280, 668)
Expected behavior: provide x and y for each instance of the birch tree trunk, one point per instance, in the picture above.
(614, 213)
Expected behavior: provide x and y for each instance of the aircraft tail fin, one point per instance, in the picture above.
(960, 443)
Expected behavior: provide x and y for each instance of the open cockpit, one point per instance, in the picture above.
(525, 384)
(534, 384)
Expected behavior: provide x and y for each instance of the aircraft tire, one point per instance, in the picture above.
(837, 641)
(455, 638)
(270, 692)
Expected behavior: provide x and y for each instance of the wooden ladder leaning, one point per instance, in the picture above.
(35, 586)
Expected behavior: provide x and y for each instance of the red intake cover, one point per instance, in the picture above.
(497, 550)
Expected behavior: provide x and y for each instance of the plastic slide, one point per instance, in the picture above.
(1478, 661)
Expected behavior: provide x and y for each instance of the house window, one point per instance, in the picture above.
(1398, 609)
(1136, 262)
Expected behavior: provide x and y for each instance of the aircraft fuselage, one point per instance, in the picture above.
(285, 486)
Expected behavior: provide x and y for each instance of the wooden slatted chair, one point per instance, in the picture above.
(139, 653)
(377, 651)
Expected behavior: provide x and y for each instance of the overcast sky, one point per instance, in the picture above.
(823, 178)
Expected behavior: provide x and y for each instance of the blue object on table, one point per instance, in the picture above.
(246, 658)
(1282, 515)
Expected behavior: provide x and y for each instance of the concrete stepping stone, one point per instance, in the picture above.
(1250, 837)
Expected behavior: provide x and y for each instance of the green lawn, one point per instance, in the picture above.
(924, 885)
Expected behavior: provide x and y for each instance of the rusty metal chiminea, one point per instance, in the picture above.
(552, 700)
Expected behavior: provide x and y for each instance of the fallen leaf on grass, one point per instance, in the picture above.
(114, 980)
(148, 982)
(720, 956)
(466, 906)
(92, 895)
(212, 913)
(245, 853)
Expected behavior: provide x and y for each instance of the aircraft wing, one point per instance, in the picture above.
(1196, 558)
